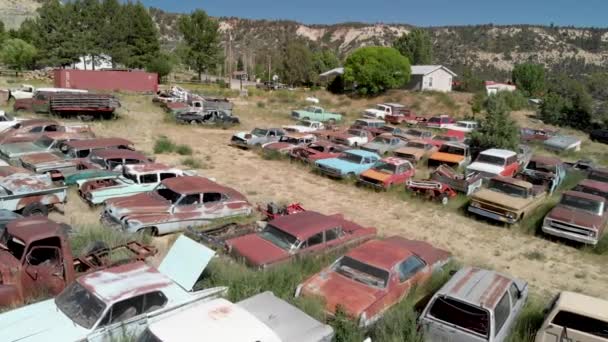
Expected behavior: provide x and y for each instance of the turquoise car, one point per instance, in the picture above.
(81, 175)
(315, 113)
(350, 164)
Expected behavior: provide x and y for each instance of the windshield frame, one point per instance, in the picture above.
(491, 159)
(392, 170)
(350, 157)
(44, 142)
(259, 132)
(71, 315)
(599, 210)
(493, 185)
(292, 242)
(385, 277)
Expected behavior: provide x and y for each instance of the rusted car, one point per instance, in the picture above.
(440, 121)
(440, 139)
(298, 235)
(598, 174)
(49, 142)
(36, 259)
(109, 304)
(318, 150)
(592, 187)
(256, 138)
(417, 134)
(495, 162)
(466, 183)
(474, 305)
(415, 150)
(454, 155)
(30, 130)
(387, 172)
(62, 163)
(175, 204)
(288, 142)
(579, 216)
(507, 199)
(384, 144)
(536, 135)
(373, 277)
(27, 193)
(373, 126)
(352, 137)
(112, 160)
(544, 171)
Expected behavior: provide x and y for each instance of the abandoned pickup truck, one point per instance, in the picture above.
(384, 109)
(321, 149)
(27, 193)
(454, 155)
(373, 277)
(317, 114)
(441, 121)
(495, 162)
(298, 235)
(304, 126)
(579, 217)
(7, 121)
(263, 317)
(384, 144)
(352, 137)
(135, 179)
(175, 204)
(507, 199)
(348, 165)
(466, 183)
(85, 106)
(545, 171)
(288, 142)
(37, 259)
(415, 151)
(387, 172)
(256, 138)
(474, 305)
(49, 142)
(109, 304)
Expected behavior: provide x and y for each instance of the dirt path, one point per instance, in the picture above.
(472, 242)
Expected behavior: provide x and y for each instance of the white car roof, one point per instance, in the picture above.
(218, 320)
(467, 122)
(499, 153)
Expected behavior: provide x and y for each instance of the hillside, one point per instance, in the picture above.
(489, 50)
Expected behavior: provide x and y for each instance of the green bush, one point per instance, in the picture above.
(261, 104)
(528, 322)
(85, 236)
(192, 162)
(163, 145)
(183, 150)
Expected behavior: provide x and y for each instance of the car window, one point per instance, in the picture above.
(210, 197)
(132, 161)
(154, 301)
(367, 160)
(467, 317)
(43, 255)
(151, 178)
(37, 129)
(409, 267)
(164, 176)
(332, 234)
(314, 240)
(501, 312)
(112, 163)
(50, 128)
(126, 309)
(190, 199)
(584, 324)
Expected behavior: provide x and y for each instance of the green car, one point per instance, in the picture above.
(82, 175)
(315, 113)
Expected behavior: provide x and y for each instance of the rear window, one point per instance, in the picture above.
(465, 316)
(584, 324)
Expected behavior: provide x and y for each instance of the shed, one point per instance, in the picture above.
(431, 77)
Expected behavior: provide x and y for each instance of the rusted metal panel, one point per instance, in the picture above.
(99, 143)
(478, 287)
(109, 80)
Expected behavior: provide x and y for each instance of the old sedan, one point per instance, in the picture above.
(373, 277)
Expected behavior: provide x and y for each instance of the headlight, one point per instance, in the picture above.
(475, 204)
(510, 215)
(298, 291)
(592, 233)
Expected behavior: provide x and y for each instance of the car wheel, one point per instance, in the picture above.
(193, 122)
(331, 121)
(35, 209)
(445, 199)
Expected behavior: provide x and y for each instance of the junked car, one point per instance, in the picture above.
(110, 159)
(415, 151)
(384, 109)
(417, 134)
(387, 172)
(321, 149)
(297, 235)
(533, 134)
(374, 126)
(305, 126)
(208, 117)
(49, 142)
(592, 187)
(373, 277)
(30, 130)
(288, 142)
(257, 137)
(598, 174)
(27, 193)
(562, 143)
(440, 139)
(352, 137)
(463, 126)
(7, 121)
(134, 179)
(384, 144)
(263, 317)
(474, 305)
(507, 199)
(175, 204)
(440, 121)
(495, 162)
(545, 171)
(579, 217)
(451, 154)
(316, 113)
(106, 305)
(349, 164)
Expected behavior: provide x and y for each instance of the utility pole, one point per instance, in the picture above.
(269, 64)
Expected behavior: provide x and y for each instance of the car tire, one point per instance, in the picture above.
(331, 121)
(193, 122)
(149, 231)
(35, 209)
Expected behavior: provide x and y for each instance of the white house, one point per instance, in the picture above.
(431, 77)
(494, 87)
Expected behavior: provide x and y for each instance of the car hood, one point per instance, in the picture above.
(144, 203)
(566, 214)
(19, 148)
(485, 168)
(337, 163)
(40, 322)
(41, 158)
(257, 251)
(277, 146)
(447, 157)
(501, 200)
(373, 174)
(337, 290)
(416, 152)
(375, 146)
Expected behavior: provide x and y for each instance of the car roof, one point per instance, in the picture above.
(476, 286)
(394, 161)
(589, 183)
(383, 254)
(305, 224)
(29, 229)
(514, 181)
(583, 305)
(194, 185)
(98, 142)
(125, 281)
(111, 153)
(497, 152)
(362, 153)
(8, 170)
(585, 195)
(149, 168)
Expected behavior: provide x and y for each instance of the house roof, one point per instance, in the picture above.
(305, 224)
(427, 69)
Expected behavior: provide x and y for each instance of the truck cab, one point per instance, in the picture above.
(495, 162)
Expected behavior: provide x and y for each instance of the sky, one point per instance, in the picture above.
(419, 12)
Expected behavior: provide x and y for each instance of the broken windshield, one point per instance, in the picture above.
(81, 306)
(279, 238)
(362, 272)
(585, 204)
(508, 188)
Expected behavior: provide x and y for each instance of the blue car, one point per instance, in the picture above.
(350, 164)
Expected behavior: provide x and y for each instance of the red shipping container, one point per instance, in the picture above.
(108, 80)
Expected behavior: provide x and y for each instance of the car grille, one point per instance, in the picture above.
(492, 208)
(329, 170)
(372, 180)
(571, 228)
(237, 140)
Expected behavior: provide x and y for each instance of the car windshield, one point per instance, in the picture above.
(304, 123)
(598, 176)
(290, 140)
(168, 194)
(44, 142)
(507, 188)
(279, 238)
(382, 140)
(588, 205)
(489, 159)
(385, 168)
(414, 133)
(259, 132)
(361, 272)
(462, 124)
(414, 144)
(81, 306)
(452, 150)
(465, 316)
(350, 157)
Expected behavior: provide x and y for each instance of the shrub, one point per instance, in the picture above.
(163, 145)
(261, 104)
(376, 69)
(183, 150)
(192, 162)
(528, 322)
(85, 236)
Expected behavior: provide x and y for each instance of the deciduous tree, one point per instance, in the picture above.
(17, 54)
(200, 33)
(416, 46)
(375, 69)
(529, 78)
(497, 129)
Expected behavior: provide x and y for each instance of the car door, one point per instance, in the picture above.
(44, 272)
(213, 205)
(186, 212)
(411, 271)
(123, 321)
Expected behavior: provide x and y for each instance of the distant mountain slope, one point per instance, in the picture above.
(13, 12)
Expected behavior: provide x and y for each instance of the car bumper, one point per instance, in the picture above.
(491, 215)
(330, 173)
(240, 144)
(570, 236)
(379, 186)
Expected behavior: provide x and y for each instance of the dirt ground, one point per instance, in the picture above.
(549, 267)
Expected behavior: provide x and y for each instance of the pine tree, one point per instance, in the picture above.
(416, 46)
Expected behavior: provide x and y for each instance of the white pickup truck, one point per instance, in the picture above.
(383, 110)
(304, 126)
(27, 91)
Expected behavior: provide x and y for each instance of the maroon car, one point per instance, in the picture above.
(371, 278)
(301, 234)
(30, 130)
(318, 150)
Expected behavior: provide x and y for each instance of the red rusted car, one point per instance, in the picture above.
(318, 150)
(373, 277)
(387, 172)
(297, 235)
(440, 139)
(30, 130)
